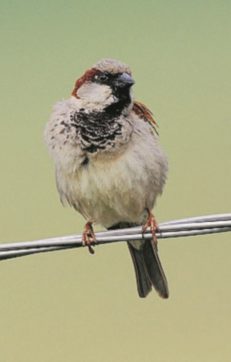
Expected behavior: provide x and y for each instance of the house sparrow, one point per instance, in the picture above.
(109, 164)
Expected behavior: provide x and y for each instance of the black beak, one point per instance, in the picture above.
(124, 80)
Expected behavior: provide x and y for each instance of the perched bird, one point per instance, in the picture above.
(109, 164)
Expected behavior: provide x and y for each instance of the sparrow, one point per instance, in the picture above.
(109, 163)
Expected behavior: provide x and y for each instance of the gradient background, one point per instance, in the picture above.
(70, 306)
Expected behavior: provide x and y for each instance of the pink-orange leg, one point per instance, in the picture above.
(152, 224)
(88, 237)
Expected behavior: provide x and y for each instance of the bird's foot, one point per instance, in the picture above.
(88, 237)
(152, 225)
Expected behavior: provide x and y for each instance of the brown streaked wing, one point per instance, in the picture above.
(141, 110)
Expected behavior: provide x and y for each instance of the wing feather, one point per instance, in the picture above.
(142, 111)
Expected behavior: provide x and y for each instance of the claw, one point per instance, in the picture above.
(88, 237)
(152, 224)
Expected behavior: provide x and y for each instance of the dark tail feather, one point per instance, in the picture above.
(148, 269)
(155, 270)
(147, 266)
(144, 284)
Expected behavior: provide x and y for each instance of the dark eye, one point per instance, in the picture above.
(102, 77)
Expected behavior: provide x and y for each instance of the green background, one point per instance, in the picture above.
(70, 306)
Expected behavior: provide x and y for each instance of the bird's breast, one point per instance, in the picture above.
(117, 187)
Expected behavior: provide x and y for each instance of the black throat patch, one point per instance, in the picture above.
(97, 131)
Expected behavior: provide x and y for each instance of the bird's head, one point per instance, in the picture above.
(108, 82)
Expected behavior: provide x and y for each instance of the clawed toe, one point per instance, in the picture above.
(88, 237)
(152, 224)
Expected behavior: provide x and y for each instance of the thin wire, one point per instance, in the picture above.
(215, 217)
(199, 225)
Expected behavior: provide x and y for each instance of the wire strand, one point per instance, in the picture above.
(199, 225)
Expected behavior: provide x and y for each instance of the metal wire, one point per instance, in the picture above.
(199, 225)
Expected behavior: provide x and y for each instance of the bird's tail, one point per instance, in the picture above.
(148, 269)
(147, 265)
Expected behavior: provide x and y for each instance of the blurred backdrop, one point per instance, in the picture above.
(70, 306)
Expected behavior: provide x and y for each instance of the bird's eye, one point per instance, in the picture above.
(102, 77)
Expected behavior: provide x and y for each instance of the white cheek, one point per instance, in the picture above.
(96, 93)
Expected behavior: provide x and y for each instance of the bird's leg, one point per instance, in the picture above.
(152, 224)
(88, 237)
